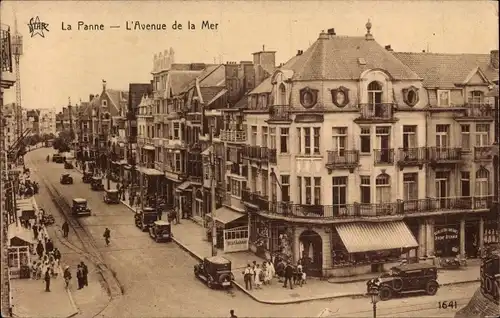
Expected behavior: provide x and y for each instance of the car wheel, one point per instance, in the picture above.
(431, 288)
(210, 284)
(385, 293)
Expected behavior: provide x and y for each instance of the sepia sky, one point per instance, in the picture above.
(72, 63)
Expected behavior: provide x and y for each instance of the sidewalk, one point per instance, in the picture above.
(192, 238)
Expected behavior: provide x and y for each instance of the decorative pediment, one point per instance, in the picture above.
(308, 97)
(476, 77)
(410, 95)
(340, 96)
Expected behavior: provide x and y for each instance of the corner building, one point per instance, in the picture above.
(357, 156)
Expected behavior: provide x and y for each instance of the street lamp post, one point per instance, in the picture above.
(374, 300)
(212, 196)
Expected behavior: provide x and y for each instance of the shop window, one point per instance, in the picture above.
(383, 188)
(482, 182)
(365, 190)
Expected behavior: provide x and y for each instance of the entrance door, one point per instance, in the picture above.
(311, 253)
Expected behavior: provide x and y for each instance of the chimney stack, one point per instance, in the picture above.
(388, 48)
(299, 52)
(331, 31)
(368, 35)
(494, 59)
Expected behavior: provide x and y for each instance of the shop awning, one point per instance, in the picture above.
(148, 147)
(364, 237)
(150, 171)
(184, 186)
(207, 151)
(226, 215)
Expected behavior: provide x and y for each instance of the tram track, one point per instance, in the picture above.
(90, 250)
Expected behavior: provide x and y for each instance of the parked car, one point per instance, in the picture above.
(68, 165)
(111, 196)
(215, 271)
(66, 179)
(57, 158)
(145, 218)
(403, 279)
(80, 207)
(160, 231)
(96, 184)
(87, 177)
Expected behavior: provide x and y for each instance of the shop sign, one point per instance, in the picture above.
(446, 234)
(490, 235)
(235, 245)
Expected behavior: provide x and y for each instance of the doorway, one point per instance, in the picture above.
(311, 252)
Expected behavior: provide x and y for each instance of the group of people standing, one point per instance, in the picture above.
(82, 277)
(258, 274)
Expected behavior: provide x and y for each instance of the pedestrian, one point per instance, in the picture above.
(85, 270)
(39, 249)
(247, 277)
(47, 280)
(67, 276)
(258, 277)
(288, 275)
(57, 255)
(268, 272)
(35, 231)
(107, 236)
(231, 312)
(49, 246)
(65, 229)
(79, 276)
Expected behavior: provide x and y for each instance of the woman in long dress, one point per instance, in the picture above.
(269, 273)
(258, 282)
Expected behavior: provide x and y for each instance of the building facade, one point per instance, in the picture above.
(47, 121)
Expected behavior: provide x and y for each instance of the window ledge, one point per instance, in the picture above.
(365, 154)
(304, 156)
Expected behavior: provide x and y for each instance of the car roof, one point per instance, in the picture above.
(112, 190)
(148, 209)
(414, 266)
(94, 177)
(79, 200)
(160, 222)
(65, 174)
(218, 260)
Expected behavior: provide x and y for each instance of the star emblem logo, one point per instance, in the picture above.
(37, 27)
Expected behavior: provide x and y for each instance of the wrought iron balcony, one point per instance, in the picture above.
(484, 153)
(376, 112)
(233, 135)
(479, 110)
(259, 153)
(383, 156)
(444, 204)
(279, 113)
(342, 159)
(445, 155)
(412, 156)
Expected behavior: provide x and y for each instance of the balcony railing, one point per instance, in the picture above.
(376, 111)
(444, 155)
(383, 156)
(412, 156)
(260, 153)
(479, 110)
(342, 159)
(483, 153)
(345, 211)
(233, 135)
(279, 113)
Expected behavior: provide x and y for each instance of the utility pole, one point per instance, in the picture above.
(212, 195)
(17, 51)
(71, 131)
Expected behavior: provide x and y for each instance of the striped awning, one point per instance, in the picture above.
(364, 237)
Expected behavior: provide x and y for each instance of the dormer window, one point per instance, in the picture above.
(282, 97)
(104, 103)
(476, 98)
(374, 93)
(443, 98)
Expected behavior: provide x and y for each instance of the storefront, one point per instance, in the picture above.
(269, 238)
(232, 229)
(447, 235)
(19, 251)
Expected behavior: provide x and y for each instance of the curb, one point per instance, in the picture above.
(71, 299)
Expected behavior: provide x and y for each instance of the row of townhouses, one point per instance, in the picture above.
(319, 158)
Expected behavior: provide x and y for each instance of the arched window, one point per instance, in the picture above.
(282, 94)
(374, 93)
(482, 182)
(383, 186)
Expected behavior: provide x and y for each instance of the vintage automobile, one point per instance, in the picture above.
(404, 279)
(57, 158)
(96, 184)
(160, 231)
(68, 165)
(66, 179)
(145, 218)
(111, 196)
(215, 271)
(80, 208)
(87, 177)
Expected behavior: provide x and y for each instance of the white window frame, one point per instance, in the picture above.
(285, 186)
(442, 135)
(410, 132)
(176, 130)
(482, 186)
(265, 135)
(447, 91)
(365, 182)
(410, 187)
(236, 187)
(287, 139)
(177, 159)
(339, 138)
(272, 138)
(476, 98)
(253, 135)
(465, 137)
(483, 136)
(383, 191)
(336, 201)
(379, 134)
(365, 132)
